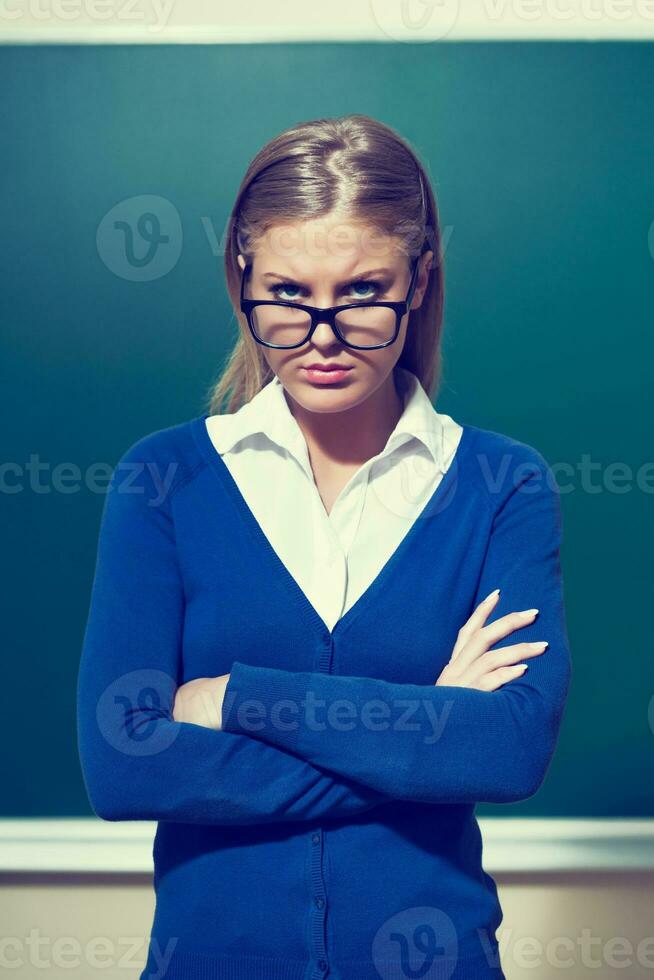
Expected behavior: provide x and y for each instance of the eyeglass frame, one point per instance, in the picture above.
(327, 315)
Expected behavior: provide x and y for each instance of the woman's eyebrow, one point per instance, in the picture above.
(358, 275)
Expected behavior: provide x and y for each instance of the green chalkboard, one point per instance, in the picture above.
(541, 156)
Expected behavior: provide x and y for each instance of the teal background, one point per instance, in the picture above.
(541, 156)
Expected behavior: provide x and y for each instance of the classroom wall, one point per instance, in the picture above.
(597, 925)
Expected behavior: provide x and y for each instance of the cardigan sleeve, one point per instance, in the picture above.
(138, 763)
(439, 744)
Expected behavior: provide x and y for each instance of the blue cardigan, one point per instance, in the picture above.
(328, 830)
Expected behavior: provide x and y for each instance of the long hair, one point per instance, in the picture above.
(354, 165)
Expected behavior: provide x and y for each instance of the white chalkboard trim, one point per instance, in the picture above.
(380, 22)
(511, 845)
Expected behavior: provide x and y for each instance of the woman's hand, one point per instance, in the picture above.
(200, 701)
(473, 665)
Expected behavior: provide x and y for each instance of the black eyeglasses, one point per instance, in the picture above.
(363, 326)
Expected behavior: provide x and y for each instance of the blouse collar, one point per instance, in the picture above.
(268, 413)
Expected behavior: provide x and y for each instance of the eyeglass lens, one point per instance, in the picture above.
(285, 326)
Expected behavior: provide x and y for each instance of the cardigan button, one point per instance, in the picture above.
(320, 902)
(322, 964)
(315, 838)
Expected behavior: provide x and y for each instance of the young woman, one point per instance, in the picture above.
(306, 651)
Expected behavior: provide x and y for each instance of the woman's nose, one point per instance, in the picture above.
(323, 335)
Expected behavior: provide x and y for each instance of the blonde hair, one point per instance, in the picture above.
(354, 164)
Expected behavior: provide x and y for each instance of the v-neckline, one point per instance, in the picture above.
(311, 614)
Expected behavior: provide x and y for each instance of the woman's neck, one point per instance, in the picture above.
(353, 436)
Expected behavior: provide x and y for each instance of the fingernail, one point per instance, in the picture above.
(491, 594)
(529, 612)
(540, 645)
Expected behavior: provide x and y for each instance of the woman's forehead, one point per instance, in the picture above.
(326, 248)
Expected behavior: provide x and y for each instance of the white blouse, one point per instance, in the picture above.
(334, 557)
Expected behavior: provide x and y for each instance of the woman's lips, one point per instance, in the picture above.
(320, 376)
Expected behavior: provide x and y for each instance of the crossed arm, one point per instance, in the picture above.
(138, 763)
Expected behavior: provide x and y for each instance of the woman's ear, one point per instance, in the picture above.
(423, 279)
(426, 260)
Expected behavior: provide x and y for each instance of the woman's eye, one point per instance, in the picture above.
(284, 286)
(375, 287)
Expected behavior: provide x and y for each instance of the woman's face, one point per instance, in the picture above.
(331, 262)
